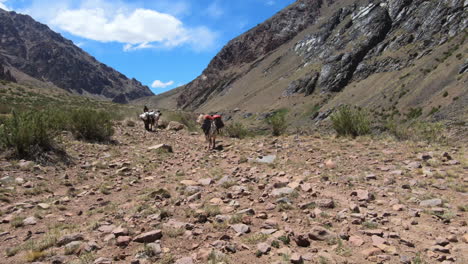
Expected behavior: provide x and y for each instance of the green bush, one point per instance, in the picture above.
(29, 134)
(236, 130)
(91, 125)
(417, 131)
(348, 121)
(277, 122)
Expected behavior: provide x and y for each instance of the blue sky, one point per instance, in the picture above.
(162, 43)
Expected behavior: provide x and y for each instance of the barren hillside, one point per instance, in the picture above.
(388, 56)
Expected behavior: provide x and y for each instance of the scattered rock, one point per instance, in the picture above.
(176, 126)
(163, 147)
(148, 237)
(431, 203)
(241, 228)
(263, 248)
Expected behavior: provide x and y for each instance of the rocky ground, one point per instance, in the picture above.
(295, 199)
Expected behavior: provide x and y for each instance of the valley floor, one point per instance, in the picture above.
(322, 200)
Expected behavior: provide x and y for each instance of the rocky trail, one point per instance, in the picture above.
(294, 199)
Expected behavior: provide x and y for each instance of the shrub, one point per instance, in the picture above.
(91, 125)
(28, 134)
(277, 122)
(236, 130)
(349, 121)
(414, 113)
(417, 131)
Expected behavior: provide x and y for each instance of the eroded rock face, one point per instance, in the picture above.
(356, 41)
(351, 43)
(249, 47)
(34, 49)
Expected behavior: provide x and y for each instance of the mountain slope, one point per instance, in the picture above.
(390, 56)
(31, 48)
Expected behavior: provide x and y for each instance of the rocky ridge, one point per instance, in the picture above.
(35, 50)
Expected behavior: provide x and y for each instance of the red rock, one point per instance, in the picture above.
(371, 252)
(356, 241)
(123, 241)
(148, 237)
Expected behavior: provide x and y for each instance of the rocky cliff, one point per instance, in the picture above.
(247, 48)
(32, 48)
(389, 55)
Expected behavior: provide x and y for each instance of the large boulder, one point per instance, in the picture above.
(176, 126)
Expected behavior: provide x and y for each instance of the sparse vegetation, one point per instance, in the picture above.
(236, 130)
(91, 125)
(277, 122)
(416, 131)
(348, 121)
(255, 238)
(28, 134)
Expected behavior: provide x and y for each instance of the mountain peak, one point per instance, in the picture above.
(34, 49)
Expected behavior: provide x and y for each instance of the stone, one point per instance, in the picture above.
(175, 126)
(106, 229)
(431, 203)
(216, 201)
(194, 197)
(69, 238)
(241, 228)
(440, 249)
(441, 241)
(371, 252)
(270, 159)
(73, 247)
(123, 241)
(120, 231)
(163, 147)
(464, 238)
(43, 206)
(296, 258)
(356, 241)
(155, 248)
(184, 260)
(414, 165)
(398, 207)
(301, 240)
(321, 234)
(377, 240)
(282, 191)
(284, 251)
(148, 237)
(306, 187)
(188, 183)
(280, 182)
(330, 164)
(205, 182)
(325, 203)
(19, 181)
(363, 195)
(263, 248)
(30, 221)
(102, 260)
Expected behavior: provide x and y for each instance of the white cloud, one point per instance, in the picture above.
(270, 3)
(3, 6)
(136, 28)
(160, 84)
